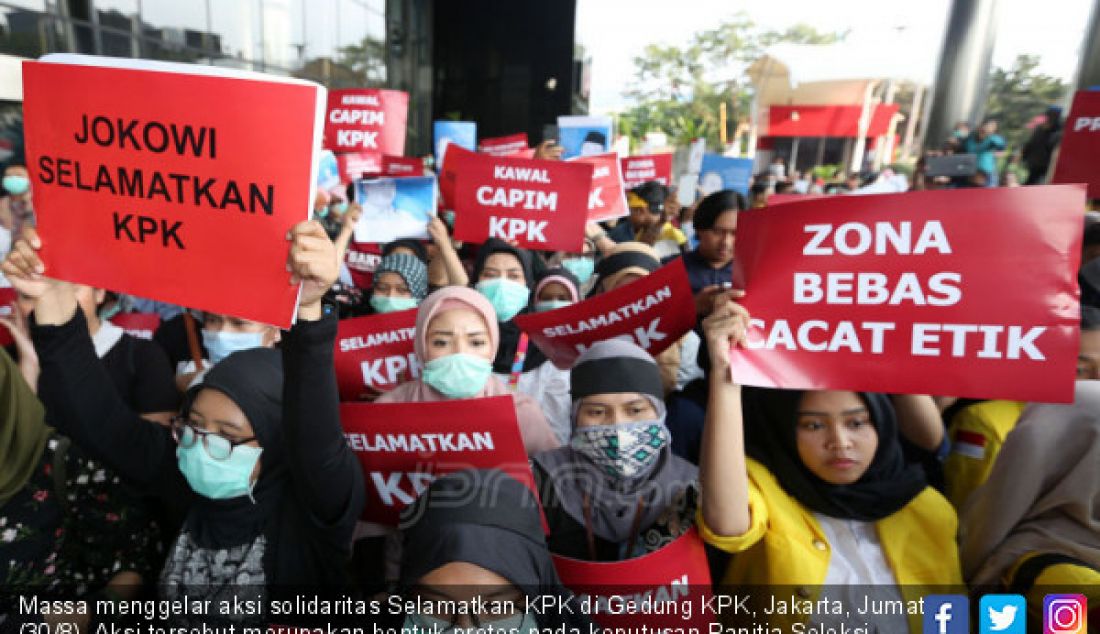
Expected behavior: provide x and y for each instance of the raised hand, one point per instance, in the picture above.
(312, 263)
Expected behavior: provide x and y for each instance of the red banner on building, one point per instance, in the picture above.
(375, 353)
(153, 180)
(1079, 156)
(367, 121)
(140, 325)
(968, 292)
(357, 165)
(510, 145)
(402, 166)
(653, 312)
(607, 198)
(403, 447)
(541, 205)
(642, 169)
(668, 588)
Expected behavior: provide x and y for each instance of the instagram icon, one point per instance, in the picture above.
(1065, 614)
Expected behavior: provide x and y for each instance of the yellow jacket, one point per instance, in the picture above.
(785, 546)
(977, 434)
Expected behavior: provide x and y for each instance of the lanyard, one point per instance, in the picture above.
(517, 362)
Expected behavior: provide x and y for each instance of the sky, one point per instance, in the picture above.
(905, 36)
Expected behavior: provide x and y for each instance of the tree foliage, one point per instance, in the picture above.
(678, 89)
(1017, 94)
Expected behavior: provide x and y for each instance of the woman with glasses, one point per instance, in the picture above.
(475, 557)
(258, 458)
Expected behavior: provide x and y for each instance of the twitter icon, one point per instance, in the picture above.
(1003, 614)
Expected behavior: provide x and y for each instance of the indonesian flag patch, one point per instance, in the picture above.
(970, 444)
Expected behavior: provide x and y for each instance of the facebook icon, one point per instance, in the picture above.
(946, 614)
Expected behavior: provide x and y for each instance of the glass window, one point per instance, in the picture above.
(283, 37)
(361, 55)
(117, 20)
(27, 33)
(236, 31)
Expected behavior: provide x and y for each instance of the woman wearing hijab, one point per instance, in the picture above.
(815, 491)
(400, 283)
(554, 288)
(616, 491)
(457, 338)
(478, 533)
(64, 520)
(270, 486)
(1034, 527)
(630, 261)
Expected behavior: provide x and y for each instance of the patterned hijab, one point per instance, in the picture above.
(615, 366)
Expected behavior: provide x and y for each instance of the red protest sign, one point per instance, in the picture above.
(653, 312)
(1079, 156)
(538, 204)
(607, 198)
(918, 293)
(780, 199)
(362, 260)
(154, 180)
(355, 165)
(366, 120)
(510, 145)
(375, 353)
(140, 325)
(403, 447)
(7, 308)
(642, 169)
(402, 166)
(668, 588)
(453, 161)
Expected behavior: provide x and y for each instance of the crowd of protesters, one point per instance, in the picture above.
(210, 460)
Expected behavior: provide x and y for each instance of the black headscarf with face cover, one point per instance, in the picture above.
(488, 519)
(253, 380)
(771, 418)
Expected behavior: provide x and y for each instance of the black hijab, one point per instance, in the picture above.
(509, 331)
(888, 484)
(485, 518)
(253, 379)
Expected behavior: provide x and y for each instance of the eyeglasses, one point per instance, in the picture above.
(186, 432)
(504, 614)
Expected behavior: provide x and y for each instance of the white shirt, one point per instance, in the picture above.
(106, 337)
(549, 386)
(857, 562)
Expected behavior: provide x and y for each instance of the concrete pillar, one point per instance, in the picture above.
(962, 78)
(1088, 70)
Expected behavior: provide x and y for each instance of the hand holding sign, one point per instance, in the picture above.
(54, 300)
(312, 263)
(726, 327)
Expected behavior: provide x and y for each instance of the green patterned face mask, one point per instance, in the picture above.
(623, 450)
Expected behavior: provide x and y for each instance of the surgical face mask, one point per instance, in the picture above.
(16, 184)
(449, 217)
(457, 375)
(514, 624)
(387, 304)
(623, 450)
(107, 313)
(582, 268)
(551, 304)
(220, 345)
(322, 212)
(212, 478)
(341, 207)
(506, 296)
